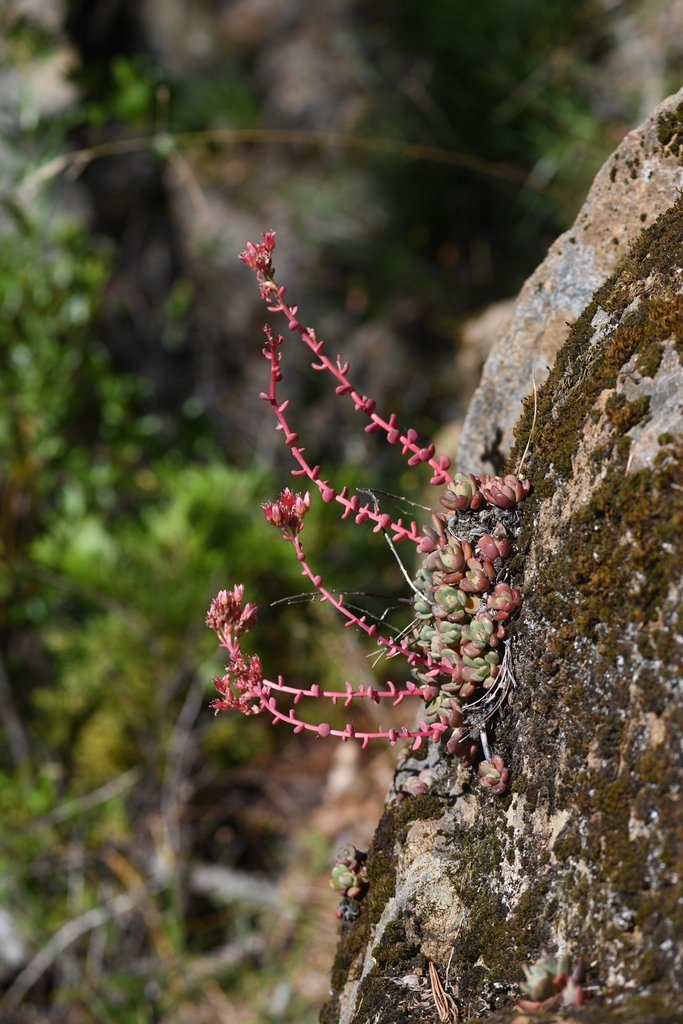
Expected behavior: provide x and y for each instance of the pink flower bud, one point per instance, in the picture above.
(287, 513)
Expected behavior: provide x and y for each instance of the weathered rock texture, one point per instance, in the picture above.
(638, 182)
(585, 855)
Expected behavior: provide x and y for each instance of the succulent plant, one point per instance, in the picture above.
(418, 784)
(482, 669)
(503, 602)
(493, 775)
(348, 876)
(457, 649)
(493, 547)
(482, 629)
(461, 745)
(447, 600)
(478, 578)
(462, 493)
(504, 491)
(551, 981)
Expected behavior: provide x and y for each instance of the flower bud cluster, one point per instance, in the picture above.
(462, 604)
(287, 513)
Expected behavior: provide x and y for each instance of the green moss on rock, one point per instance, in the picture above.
(670, 131)
(587, 849)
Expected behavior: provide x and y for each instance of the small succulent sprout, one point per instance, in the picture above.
(439, 638)
(478, 578)
(463, 493)
(482, 669)
(521, 487)
(434, 536)
(481, 633)
(461, 745)
(492, 547)
(447, 599)
(348, 876)
(455, 554)
(473, 648)
(450, 557)
(503, 602)
(418, 784)
(493, 776)
(443, 702)
(343, 879)
(504, 491)
(550, 981)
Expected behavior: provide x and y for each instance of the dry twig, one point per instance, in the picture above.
(445, 1004)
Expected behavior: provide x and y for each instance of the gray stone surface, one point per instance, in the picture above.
(584, 855)
(638, 182)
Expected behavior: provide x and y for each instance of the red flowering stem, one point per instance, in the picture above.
(370, 629)
(243, 687)
(259, 258)
(417, 455)
(361, 403)
(423, 731)
(352, 505)
(348, 694)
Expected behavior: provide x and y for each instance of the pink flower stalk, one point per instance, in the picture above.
(243, 687)
(259, 258)
(455, 646)
(352, 505)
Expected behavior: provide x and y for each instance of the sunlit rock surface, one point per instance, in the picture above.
(636, 184)
(584, 856)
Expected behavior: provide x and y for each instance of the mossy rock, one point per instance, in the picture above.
(639, 182)
(585, 855)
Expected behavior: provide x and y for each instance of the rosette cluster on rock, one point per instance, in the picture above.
(463, 601)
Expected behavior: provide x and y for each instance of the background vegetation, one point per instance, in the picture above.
(157, 864)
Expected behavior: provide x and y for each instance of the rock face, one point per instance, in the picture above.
(638, 182)
(584, 856)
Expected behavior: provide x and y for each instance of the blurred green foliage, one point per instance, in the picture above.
(112, 550)
(65, 418)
